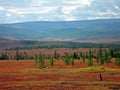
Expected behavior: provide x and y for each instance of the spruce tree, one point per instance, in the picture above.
(83, 58)
(101, 56)
(4, 56)
(72, 61)
(107, 56)
(56, 55)
(36, 59)
(75, 55)
(51, 61)
(117, 61)
(40, 60)
(90, 63)
(67, 59)
(17, 55)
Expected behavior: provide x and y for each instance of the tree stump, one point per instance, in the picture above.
(100, 75)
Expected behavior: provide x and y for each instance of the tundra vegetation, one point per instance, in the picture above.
(100, 55)
(60, 68)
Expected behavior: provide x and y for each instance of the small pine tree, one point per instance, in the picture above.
(72, 61)
(39, 59)
(51, 61)
(75, 55)
(112, 53)
(25, 55)
(80, 56)
(106, 56)
(101, 56)
(90, 63)
(97, 58)
(67, 59)
(17, 55)
(4, 56)
(83, 58)
(117, 61)
(36, 59)
(86, 56)
(56, 55)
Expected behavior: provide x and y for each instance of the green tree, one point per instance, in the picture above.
(17, 55)
(90, 63)
(75, 55)
(86, 56)
(107, 56)
(25, 55)
(51, 61)
(117, 61)
(40, 60)
(72, 61)
(36, 59)
(67, 59)
(56, 55)
(101, 56)
(83, 58)
(80, 56)
(4, 56)
(97, 57)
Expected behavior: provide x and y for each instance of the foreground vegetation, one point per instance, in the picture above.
(100, 55)
(25, 75)
(60, 69)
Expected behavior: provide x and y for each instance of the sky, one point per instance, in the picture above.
(14, 11)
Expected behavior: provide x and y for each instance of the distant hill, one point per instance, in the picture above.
(62, 30)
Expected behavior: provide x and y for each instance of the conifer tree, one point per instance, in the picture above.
(67, 59)
(40, 60)
(117, 61)
(36, 59)
(75, 55)
(56, 55)
(17, 55)
(101, 56)
(90, 63)
(83, 58)
(4, 56)
(72, 61)
(51, 61)
(80, 56)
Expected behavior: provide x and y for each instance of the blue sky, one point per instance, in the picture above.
(12, 11)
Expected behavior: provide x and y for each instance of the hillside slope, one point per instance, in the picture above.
(62, 30)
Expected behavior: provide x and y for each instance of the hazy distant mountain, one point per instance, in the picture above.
(62, 30)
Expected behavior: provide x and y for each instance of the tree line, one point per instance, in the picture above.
(60, 44)
(100, 55)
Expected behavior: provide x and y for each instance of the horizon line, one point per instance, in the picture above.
(61, 20)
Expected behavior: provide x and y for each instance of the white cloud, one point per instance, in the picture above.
(55, 10)
(86, 2)
(69, 18)
(1, 8)
(108, 12)
(8, 15)
(32, 10)
(38, 3)
(68, 9)
(80, 2)
(116, 7)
